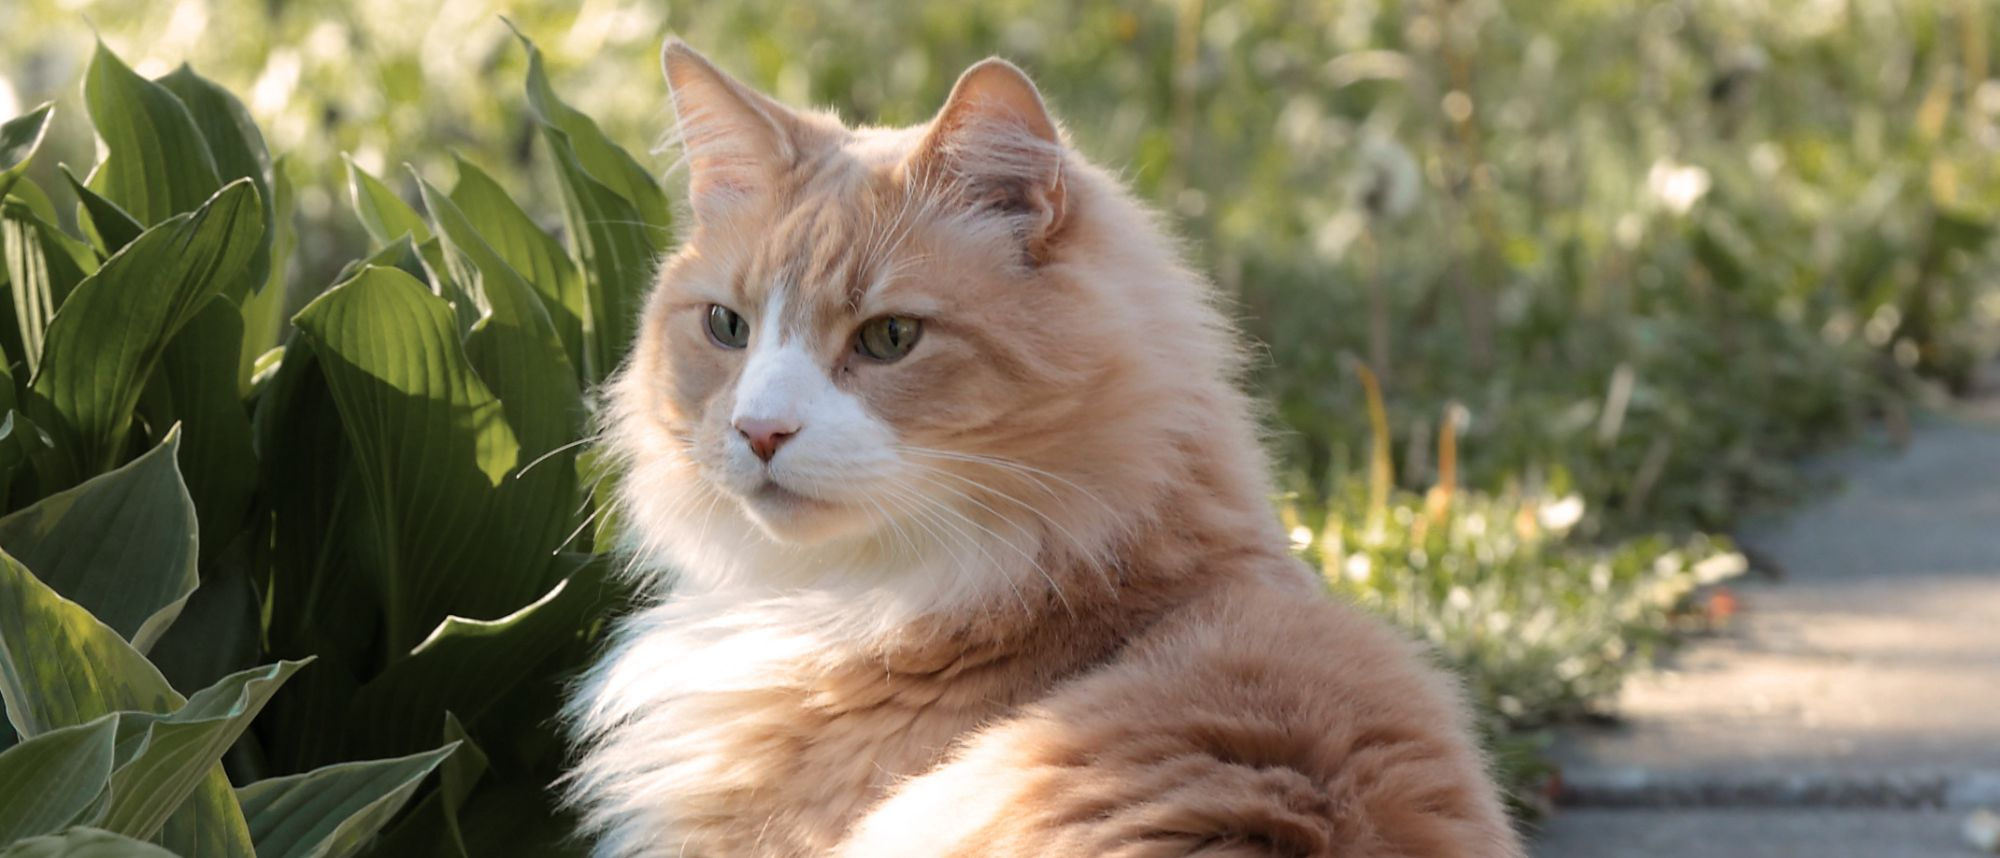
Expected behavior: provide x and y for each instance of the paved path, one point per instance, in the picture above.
(1854, 707)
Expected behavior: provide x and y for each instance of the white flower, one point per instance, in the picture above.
(1302, 537)
(1561, 515)
(1358, 568)
(1721, 567)
(1677, 186)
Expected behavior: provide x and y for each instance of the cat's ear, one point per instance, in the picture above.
(736, 142)
(996, 144)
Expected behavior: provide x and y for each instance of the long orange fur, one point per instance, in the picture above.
(1043, 606)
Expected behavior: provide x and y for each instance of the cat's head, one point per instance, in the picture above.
(928, 348)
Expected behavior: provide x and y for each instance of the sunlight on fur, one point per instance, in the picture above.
(956, 530)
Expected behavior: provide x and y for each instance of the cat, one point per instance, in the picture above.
(937, 466)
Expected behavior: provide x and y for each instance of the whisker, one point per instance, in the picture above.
(552, 454)
(1032, 560)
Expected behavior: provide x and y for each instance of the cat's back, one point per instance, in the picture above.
(1264, 719)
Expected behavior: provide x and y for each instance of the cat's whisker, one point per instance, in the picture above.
(587, 439)
(1089, 553)
(578, 531)
(934, 511)
(892, 518)
(1011, 465)
(1032, 560)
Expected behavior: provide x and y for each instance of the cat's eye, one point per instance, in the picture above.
(726, 328)
(888, 338)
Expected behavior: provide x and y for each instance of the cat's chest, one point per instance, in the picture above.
(728, 722)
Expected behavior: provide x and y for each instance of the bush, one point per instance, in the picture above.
(391, 504)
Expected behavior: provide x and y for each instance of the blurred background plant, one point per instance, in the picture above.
(1614, 265)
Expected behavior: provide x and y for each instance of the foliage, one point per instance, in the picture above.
(381, 510)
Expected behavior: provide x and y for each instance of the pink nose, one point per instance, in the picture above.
(766, 436)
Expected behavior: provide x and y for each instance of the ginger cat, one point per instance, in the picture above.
(969, 534)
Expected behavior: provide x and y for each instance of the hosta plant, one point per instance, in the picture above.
(327, 544)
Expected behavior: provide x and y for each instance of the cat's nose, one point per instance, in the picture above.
(766, 436)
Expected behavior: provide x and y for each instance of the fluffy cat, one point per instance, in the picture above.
(970, 532)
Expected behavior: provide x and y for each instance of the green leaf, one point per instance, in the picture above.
(84, 843)
(179, 750)
(461, 773)
(264, 313)
(617, 218)
(464, 666)
(220, 631)
(526, 248)
(431, 825)
(30, 194)
(606, 161)
(105, 342)
(333, 812)
(109, 227)
(430, 442)
(43, 267)
(50, 780)
(517, 353)
(21, 441)
(619, 255)
(383, 214)
(19, 138)
(60, 666)
(156, 163)
(238, 149)
(195, 386)
(136, 582)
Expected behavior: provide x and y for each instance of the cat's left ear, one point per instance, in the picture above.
(738, 143)
(995, 142)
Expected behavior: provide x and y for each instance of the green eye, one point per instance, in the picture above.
(888, 338)
(727, 329)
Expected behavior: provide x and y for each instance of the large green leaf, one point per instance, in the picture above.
(84, 843)
(180, 749)
(323, 554)
(517, 352)
(617, 218)
(156, 163)
(196, 386)
(43, 267)
(332, 812)
(432, 446)
(527, 249)
(106, 340)
(464, 666)
(50, 780)
(19, 138)
(122, 545)
(60, 666)
(238, 148)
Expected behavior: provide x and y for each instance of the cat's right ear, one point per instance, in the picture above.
(736, 142)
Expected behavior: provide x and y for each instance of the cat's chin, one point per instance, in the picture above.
(790, 517)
